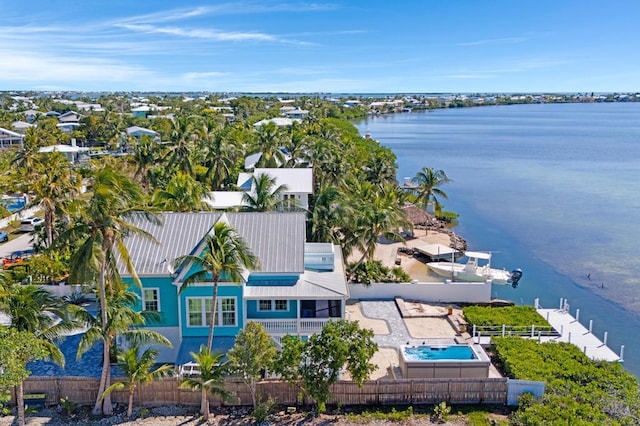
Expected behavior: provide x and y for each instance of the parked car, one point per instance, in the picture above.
(4, 236)
(30, 224)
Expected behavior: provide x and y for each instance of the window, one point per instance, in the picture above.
(151, 299)
(199, 311)
(273, 305)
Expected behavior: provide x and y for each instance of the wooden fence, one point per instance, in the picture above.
(166, 391)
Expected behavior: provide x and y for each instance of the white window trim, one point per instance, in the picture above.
(144, 301)
(205, 314)
(272, 306)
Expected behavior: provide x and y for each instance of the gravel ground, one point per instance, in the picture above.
(188, 416)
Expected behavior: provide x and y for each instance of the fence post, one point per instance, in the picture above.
(539, 336)
(578, 315)
(590, 326)
(561, 303)
(606, 334)
(533, 330)
(622, 353)
(536, 303)
(504, 327)
(569, 340)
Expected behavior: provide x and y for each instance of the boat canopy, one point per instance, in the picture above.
(478, 254)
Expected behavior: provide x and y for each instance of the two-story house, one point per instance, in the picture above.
(297, 289)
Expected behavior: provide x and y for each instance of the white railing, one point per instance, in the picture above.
(299, 326)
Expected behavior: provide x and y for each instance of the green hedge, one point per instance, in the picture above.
(579, 391)
(509, 315)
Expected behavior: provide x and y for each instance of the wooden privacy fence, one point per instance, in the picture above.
(166, 391)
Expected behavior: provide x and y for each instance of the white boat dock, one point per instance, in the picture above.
(571, 331)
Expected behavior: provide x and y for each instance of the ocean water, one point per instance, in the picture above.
(553, 189)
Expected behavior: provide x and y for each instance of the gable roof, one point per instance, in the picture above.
(276, 238)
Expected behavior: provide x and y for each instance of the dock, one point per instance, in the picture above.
(572, 331)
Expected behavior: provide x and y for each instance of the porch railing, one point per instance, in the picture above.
(299, 326)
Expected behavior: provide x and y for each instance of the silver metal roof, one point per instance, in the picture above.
(329, 285)
(276, 238)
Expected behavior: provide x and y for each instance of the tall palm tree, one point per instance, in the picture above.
(329, 214)
(380, 214)
(225, 254)
(220, 155)
(135, 367)
(145, 154)
(182, 194)
(265, 196)
(33, 310)
(428, 182)
(102, 229)
(183, 135)
(211, 378)
(268, 143)
(55, 186)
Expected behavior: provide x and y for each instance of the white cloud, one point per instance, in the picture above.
(505, 40)
(200, 33)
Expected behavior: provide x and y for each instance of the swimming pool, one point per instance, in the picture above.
(443, 361)
(426, 353)
(13, 204)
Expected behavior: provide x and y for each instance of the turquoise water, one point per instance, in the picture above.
(429, 353)
(553, 189)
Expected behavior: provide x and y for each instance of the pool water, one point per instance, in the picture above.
(427, 353)
(13, 204)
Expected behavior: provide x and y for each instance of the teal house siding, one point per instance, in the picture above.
(254, 313)
(168, 299)
(206, 292)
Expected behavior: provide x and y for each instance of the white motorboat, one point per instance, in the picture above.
(472, 271)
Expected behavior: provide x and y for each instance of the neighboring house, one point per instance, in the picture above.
(9, 138)
(138, 132)
(31, 114)
(21, 126)
(278, 121)
(69, 117)
(297, 114)
(74, 154)
(299, 183)
(141, 111)
(298, 288)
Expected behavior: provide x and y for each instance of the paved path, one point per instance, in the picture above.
(22, 242)
(399, 334)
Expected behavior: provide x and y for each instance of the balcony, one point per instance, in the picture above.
(300, 326)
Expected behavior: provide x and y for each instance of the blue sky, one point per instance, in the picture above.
(343, 46)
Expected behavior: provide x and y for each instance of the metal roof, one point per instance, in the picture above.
(277, 239)
(311, 285)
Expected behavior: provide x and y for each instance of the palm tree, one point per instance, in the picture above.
(33, 310)
(182, 194)
(427, 182)
(55, 186)
(225, 254)
(122, 320)
(144, 156)
(135, 367)
(102, 230)
(211, 379)
(220, 154)
(182, 136)
(268, 143)
(264, 195)
(329, 214)
(380, 214)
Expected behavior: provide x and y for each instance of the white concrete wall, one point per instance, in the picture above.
(427, 292)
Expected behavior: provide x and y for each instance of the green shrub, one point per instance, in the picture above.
(263, 409)
(441, 412)
(578, 389)
(509, 315)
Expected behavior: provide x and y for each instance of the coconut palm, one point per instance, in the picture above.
(428, 182)
(211, 379)
(225, 254)
(265, 196)
(329, 214)
(268, 143)
(379, 214)
(182, 194)
(34, 310)
(102, 229)
(122, 320)
(182, 137)
(135, 367)
(55, 185)
(220, 154)
(144, 156)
